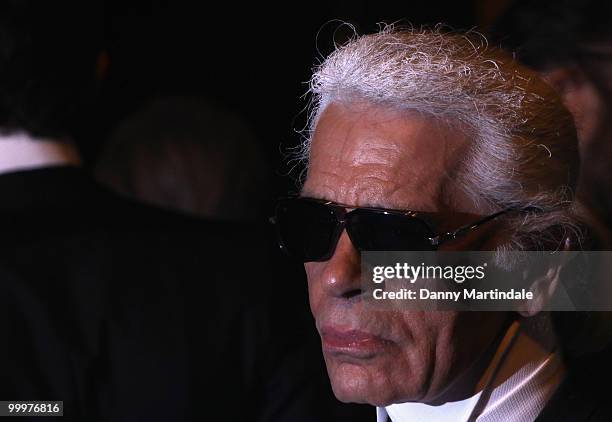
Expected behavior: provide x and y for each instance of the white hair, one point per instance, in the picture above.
(524, 149)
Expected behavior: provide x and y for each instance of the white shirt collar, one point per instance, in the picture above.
(520, 397)
(20, 151)
(457, 411)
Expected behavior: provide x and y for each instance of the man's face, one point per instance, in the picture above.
(364, 155)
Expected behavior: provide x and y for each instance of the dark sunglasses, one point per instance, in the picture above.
(308, 229)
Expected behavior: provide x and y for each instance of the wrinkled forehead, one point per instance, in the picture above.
(369, 155)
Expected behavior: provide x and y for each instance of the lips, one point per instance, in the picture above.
(355, 343)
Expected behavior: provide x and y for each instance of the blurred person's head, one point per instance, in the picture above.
(436, 123)
(570, 43)
(48, 56)
(188, 155)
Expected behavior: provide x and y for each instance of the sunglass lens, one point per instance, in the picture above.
(379, 231)
(306, 229)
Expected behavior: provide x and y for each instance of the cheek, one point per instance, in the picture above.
(428, 360)
(313, 274)
(433, 347)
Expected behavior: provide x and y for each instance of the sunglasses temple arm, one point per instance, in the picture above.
(438, 240)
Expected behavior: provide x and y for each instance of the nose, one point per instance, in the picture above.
(341, 275)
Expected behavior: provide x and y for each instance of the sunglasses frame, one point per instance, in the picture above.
(342, 217)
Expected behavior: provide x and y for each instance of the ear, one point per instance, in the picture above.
(546, 282)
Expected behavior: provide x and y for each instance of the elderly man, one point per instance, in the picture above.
(437, 124)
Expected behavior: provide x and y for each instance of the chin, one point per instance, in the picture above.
(354, 383)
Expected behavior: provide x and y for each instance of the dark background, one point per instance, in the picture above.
(253, 59)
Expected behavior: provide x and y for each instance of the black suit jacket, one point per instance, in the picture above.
(583, 396)
(127, 313)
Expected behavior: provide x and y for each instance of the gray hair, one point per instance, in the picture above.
(524, 150)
